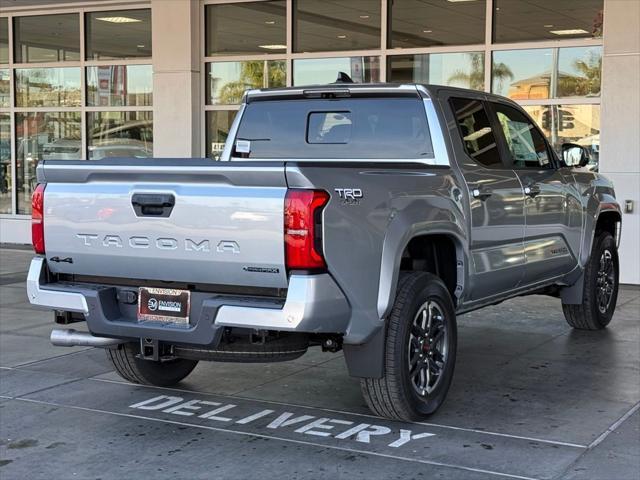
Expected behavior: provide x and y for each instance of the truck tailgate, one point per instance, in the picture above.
(192, 221)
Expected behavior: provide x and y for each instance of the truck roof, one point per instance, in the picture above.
(340, 89)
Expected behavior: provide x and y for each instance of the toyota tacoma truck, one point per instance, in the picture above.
(361, 218)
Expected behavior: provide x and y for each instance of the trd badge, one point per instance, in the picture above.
(350, 196)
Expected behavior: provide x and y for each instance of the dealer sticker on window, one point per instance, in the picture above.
(163, 305)
(243, 146)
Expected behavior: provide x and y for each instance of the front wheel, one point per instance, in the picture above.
(600, 290)
(125, 361)
(420, 351)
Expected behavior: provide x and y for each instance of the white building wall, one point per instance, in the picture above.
(176, 78)
(620, 122)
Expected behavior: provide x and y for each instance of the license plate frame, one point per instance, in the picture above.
(164, 305)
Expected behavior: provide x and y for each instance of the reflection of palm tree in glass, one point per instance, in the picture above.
(588, 80)
(475, 77)
(252, 75)
(499, 73)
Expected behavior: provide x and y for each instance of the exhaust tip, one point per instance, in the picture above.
(73, 338)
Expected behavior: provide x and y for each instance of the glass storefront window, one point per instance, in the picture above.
(118, 34)
(46, 38)
(5, 88)
(336, 25)
(119, 85)
(218, 125)
(227, 81)
(579, 72)
(524, 20)
(415, 23)
(570, 124)
(464, 70)
(246, 28)
(522, 74)
(119, 134)
(318, 71)
(48, 87)
(5, 163)
(4, 40)
(43, 136)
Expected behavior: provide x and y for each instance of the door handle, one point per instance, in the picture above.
(532, 190)
(481, 193)
(153, 204)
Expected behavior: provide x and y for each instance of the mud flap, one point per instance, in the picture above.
(366, 360)
(572, 294)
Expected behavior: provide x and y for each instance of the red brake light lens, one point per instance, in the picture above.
(302, 211)
(37, 219)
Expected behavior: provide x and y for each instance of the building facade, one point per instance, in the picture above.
(163, 78)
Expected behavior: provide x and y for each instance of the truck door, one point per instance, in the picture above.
(495, 197)
(552, 204)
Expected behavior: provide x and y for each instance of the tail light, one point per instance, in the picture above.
(37, 219)
(302, 229)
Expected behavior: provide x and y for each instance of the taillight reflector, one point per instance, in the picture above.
(301, 218)
(37, 219)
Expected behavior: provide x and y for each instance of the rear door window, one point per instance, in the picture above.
(475, 130)
(358, 128)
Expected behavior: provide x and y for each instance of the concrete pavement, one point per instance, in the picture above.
(531, 398)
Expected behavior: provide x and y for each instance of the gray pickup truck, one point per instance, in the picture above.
(353, 217)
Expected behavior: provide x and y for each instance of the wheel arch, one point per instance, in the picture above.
(438, 250)
(607, 217)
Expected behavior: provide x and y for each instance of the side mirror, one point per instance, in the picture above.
(574, 155)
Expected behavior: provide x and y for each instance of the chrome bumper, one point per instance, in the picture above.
(54, 299)
(314, 304)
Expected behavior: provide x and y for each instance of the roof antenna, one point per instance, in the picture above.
(343, 78)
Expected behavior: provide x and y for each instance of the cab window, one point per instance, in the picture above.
(525, 143)
(475, 130)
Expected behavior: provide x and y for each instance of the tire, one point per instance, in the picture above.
(600, 290)
(161, 374)
(400, 393)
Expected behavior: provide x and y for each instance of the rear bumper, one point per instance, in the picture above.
(314, 304)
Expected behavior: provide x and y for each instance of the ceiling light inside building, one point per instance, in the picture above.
(270, 22)
(571, 31)
(427, 31)
(119, 19)
(365, 17)
(342, 36)
(273, 47)
(460, 1)
(548, 26)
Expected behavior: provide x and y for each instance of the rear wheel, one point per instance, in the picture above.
(420, 351)
(600, 290)
(146, 372)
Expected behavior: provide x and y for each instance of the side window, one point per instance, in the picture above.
(525, 142)
(475, 130)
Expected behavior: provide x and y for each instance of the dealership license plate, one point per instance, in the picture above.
(163, 305)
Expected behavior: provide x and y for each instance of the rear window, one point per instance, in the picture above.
(358, 128)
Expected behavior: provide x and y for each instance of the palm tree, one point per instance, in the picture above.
(500, 72)
(252, 75)
(587, 82)
(475, 77)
